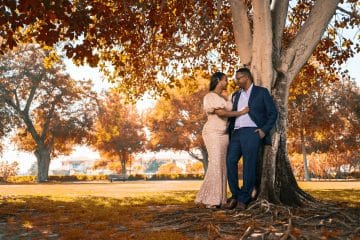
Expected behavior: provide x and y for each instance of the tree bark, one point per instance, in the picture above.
(204, 159)
(43, 160)
(262, 48)
(302, 47)
(275, 68)
(278, 183)
(279, 12)
(303, 149)
(242, 31)
(123, 158)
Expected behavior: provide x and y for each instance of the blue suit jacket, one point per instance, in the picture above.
(262, 110)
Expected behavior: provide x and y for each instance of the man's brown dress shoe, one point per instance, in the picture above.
(240, 206)
(232, 204)
(229, 199)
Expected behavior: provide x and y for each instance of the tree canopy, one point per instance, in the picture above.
(137, 42)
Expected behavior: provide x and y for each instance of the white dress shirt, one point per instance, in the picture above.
(244, 120)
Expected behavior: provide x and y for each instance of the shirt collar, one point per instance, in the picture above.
(249, 89)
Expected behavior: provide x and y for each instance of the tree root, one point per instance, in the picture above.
(263, 220)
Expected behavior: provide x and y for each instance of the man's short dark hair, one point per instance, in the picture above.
(246, 72)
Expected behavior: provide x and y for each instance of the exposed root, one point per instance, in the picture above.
(264, 220)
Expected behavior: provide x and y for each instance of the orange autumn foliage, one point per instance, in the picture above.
(118, 133)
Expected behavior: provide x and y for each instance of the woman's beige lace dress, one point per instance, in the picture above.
(213, 189)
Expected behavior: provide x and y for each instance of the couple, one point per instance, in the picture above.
(234, 128)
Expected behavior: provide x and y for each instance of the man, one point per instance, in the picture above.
(247, 133)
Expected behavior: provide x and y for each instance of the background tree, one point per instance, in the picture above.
(8, 169)
(169, 38)
(118, 132)
(111, 161)
(153, 165)
(177, 119)
(326, 117)
(309, 111)
(51, 111)
(169, 168)
(346, 106)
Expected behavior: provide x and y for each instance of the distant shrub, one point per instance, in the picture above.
(176, 177)
(56, 178)
(22, 179)
(137, 177)
(134, 177)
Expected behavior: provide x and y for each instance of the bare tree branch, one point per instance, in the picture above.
(262, 66)
(30, 98)
(278, 13)
(8, 98)
(303, 45)
(242, 31)
(351, 14)
(49, 116)
(30, 127)
(192, 154)
(17, 101)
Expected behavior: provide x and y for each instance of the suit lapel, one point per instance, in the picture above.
(252, 94)
(236, 100)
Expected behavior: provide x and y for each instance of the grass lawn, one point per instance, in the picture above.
(121, 210)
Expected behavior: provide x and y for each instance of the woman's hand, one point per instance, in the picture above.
(244, 111)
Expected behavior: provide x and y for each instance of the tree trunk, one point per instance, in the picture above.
(303, 149)
(43, 160)
(278, 183)
(205, 159)
(123, 158)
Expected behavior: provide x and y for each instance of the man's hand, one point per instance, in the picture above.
(260, 132)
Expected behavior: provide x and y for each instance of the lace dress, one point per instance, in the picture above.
(213, 189)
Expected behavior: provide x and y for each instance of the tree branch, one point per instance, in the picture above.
(17, 101)
(194, 155)
(262, 66)
(242, 31)
(31, 129)
(351, 14)
(49, 116)
(8, 98)
(278, 13)
(303, 45)
(31, 94)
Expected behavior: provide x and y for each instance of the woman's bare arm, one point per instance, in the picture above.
(225, 113)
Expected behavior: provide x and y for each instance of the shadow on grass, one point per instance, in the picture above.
(90, 217)
(47, 217)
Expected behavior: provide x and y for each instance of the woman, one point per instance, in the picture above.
(212, 193)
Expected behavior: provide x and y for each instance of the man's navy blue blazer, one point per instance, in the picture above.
(262, 110)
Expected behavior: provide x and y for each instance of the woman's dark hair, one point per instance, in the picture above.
(215, 79)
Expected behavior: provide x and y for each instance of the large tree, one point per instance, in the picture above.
(139, 43)
(50, 111)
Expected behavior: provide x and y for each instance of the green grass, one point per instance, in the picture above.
(114, 211)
